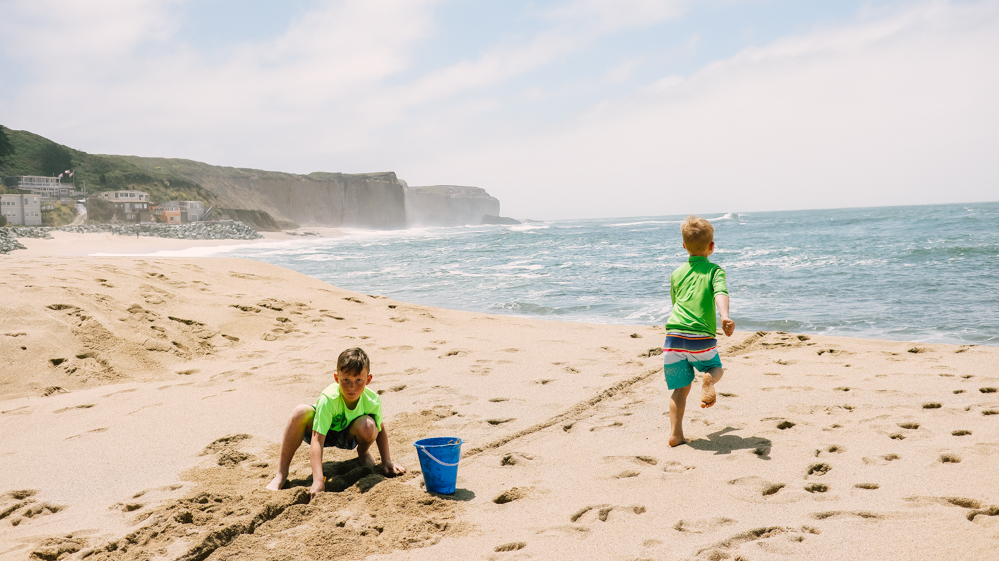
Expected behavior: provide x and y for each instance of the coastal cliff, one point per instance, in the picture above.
(366, 200)
(266, 200)
(448, 205)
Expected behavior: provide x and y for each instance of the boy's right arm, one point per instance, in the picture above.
(316, 461)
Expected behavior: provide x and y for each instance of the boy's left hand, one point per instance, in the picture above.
(728, 326)
(391, 468)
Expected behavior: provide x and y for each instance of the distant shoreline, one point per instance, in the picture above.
(64, 244)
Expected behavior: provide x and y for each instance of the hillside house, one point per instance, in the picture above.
(129, 206)
(179, 212)
(21, 210)
(46, 187)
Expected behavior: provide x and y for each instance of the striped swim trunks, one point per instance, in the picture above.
(683, 352)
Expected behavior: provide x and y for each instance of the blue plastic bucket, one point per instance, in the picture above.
(439, 463)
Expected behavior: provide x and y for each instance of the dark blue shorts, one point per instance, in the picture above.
(341, 439)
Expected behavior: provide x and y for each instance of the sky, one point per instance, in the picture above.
(561, 109)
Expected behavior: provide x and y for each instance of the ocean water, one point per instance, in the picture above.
(914, 273)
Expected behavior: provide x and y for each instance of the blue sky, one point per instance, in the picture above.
(671, 106)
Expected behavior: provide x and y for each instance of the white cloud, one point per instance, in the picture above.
(614, 15)
(56, 37)
(896, 107)
(899, 110)
(103, 80)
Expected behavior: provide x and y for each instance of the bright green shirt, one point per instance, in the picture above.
(332, 413)
(693, 287)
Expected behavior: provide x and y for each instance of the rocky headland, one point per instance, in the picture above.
(364, 200)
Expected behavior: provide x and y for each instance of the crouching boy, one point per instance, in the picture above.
(347, 415)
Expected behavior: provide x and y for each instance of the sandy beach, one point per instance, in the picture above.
(142, 401)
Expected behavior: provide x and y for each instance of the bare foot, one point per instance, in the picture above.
(367, 460)
(707, 393)
(677, 440)
(277, 483)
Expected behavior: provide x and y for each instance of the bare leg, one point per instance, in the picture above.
(711, 377)
(677, 404)
(363, 430)
(301, 417)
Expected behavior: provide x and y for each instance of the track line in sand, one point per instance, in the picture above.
(574, 413)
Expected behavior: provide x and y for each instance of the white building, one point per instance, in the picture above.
(48, 187)
(124, 196)
(22, 210)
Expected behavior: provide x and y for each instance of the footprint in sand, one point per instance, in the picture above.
(84, 406)
(881, 460)
(602, 512)
(94, 431)
(398, 388)
(515, 458)
(834, 449)
(703, 525)
(480, 370)
(864, 515)
(675, 467)
(626, 474)
(774, 540)
(510, 495)
(819, 469)
(19, 506)
(23, 410)
(512, 546)
(755, 489)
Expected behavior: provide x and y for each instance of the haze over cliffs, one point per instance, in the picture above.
(364, 200)
(266, 200)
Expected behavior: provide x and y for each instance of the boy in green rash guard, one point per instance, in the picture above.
(696, 287)
(347, 415)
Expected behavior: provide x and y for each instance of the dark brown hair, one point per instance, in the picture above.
(352, 361)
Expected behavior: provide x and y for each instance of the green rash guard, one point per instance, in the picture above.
(693, 287)
(332, 413)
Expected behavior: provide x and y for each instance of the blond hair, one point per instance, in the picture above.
(697, 233)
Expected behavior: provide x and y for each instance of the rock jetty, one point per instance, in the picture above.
(8, 241)
(220, 230)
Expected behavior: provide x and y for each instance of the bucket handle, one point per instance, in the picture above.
(424, 450)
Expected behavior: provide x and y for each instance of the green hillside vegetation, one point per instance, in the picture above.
(36, 155)
(61, 215)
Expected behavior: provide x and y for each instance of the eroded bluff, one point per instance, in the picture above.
(365, 200)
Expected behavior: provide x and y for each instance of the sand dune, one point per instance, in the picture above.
(143, 401)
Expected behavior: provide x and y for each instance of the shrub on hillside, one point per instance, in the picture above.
(99, 210)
